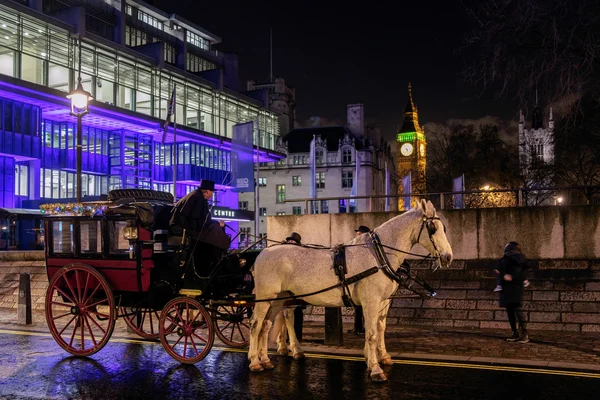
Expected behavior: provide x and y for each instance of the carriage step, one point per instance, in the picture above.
(190, 292)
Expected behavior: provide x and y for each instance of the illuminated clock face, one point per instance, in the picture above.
(422, 150)
(406, 149)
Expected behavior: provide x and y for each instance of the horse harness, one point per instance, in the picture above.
(383, 263)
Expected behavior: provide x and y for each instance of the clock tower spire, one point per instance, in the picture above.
(411, 149)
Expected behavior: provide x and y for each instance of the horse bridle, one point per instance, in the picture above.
(427, 223)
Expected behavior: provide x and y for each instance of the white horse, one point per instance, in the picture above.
(283, 270)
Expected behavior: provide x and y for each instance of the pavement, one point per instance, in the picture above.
(564, 350)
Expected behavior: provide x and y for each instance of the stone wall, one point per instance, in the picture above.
(562, 243)
(12, 264)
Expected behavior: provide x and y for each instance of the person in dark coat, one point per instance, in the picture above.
(512, 269)
(208, 239)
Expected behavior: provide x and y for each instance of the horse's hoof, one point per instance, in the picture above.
(299, 356)
(283, 352)
(379, 377)
(386, 361)
(256, 368)
(268, 365)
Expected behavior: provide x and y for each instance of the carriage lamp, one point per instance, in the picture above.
(130, 232)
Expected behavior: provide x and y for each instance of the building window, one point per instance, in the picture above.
(324, 207)
(280, 212)
(346, 155)
(262, 211)
(347, 179)
(22, 180)
(262, 181)
(197, 40)
(297, 210)
(243, 205)
(280, 190)
(319, 156)
(150, 20)
(320, 180)
(244, 237)
(296, 181)
(128, 9)
(198, 64)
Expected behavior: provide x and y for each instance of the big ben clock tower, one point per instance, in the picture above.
(412, 150)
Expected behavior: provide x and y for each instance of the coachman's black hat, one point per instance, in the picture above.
(206, 184)
(363, 229)
(295, 237)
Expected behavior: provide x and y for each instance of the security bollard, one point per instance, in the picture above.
(333, 326)
(24, 303)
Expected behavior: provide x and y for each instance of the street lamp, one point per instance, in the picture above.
(79, 107)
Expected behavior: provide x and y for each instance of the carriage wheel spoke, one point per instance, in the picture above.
(194, 345)
(194, 334)
(241, 333)
(97, 303)
(82, 331)
(92, 295)
(225, 327)
(185, 346)
(141, 324)
(87, 279)
(85, 318)
(176, 343)
(73, 334)
(78, 285)
(61, 304)
(70, 288)
(62, 315)
(64, 294)
(98, 325)
(67, 324)
(98, 314)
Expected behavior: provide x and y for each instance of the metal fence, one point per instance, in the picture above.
(484, 198)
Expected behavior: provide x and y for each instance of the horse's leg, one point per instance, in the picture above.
(371, 312)
(256, 328)
(263, 354)
(281, 330)
(288, 315)
(382, 354)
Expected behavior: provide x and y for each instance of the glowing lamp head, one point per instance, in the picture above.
(559, 199)
(486, 187)
(79, 100)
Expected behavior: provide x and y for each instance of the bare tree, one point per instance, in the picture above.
(520, 46)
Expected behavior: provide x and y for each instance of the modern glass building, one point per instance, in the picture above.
(133, 56)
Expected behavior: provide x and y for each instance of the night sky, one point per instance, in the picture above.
(337, 53)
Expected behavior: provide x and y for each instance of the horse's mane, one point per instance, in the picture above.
(390, 221)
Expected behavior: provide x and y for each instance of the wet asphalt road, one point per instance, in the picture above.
(34, 367)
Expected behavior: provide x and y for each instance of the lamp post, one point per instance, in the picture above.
(79, 107)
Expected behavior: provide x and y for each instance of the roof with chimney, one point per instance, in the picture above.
(298, 140)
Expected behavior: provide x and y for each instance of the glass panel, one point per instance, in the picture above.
(60, 48)
(91, 237)
(117, 241)
(58, 77)
(62, 237)
(35, 39)
(7, 61)
(8, 33)
(32, 69)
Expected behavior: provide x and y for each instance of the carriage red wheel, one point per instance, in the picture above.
(186, 330)
(232, 325)
(80, 309)
(143, 321)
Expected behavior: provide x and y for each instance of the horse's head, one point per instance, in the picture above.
(431, 233)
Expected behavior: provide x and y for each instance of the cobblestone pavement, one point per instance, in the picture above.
(553, 349)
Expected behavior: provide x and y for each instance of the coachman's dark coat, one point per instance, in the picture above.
(193, 214)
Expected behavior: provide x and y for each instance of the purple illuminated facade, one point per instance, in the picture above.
(131, 61)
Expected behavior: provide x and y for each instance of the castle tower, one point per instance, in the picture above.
(411, 152)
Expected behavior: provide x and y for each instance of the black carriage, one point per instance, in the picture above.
(115, 259)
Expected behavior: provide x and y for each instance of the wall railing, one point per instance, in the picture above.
(484, 198)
